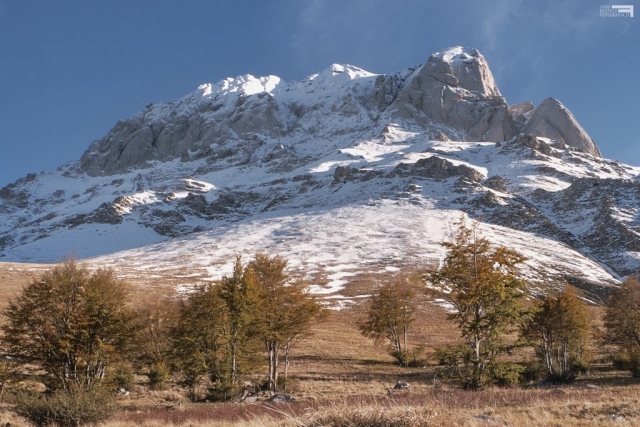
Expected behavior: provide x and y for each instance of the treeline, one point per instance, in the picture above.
(82, 329)
(500, 324)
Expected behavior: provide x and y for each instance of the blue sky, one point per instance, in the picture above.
(71, 69)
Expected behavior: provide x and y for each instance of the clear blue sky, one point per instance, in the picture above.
(69, 70)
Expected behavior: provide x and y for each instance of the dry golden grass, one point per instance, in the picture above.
(568, 406)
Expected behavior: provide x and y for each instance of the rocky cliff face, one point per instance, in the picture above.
(338, 172)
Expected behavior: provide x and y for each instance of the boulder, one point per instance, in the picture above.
(401, 385)
(280, 398)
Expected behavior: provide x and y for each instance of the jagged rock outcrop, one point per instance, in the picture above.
(455, 88)
(553, 120)
(437, 168)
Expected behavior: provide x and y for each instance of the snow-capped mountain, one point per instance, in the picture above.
(343, 172)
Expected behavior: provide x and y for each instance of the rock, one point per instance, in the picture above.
(345, 173)
(553, 120)
(106, 213)
(196, 203)
(439, 169)
(401, 385)
(280, 398)
(486, 419)
(530, 141)
(496, 182)
(180, 128)
(122, 392)
(520, 113)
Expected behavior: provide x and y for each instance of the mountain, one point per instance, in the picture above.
(344, 173)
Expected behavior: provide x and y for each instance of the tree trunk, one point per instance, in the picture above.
(271, 376)
(234, 367)
(286, 363)
(273, 366)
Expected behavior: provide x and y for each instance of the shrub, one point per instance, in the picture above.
(220, 391)
(627, 360)
(506, 374)
(401, 356)
(389, 316)
(122, 377)
(65, 409)
(417, 358)
(158, 374)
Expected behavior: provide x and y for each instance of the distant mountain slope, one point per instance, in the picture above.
(341, 172)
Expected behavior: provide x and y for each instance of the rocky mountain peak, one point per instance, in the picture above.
(462, 67)
(553, 120)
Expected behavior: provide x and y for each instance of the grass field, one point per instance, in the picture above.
(341, 378)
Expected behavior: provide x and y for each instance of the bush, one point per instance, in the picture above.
(417, 358)
(401, 356)
(220, 391)
(411, 359)
(73, 322)
(460, 368)
(158, 374)
(506, 374)
(627, 360)
(65, 409)
(122, 377)
(534, 370)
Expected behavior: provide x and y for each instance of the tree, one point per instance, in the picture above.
(75, 323)
(240, 296)
(482, 284)
(156, 318)
(390, 313)
(622, 321)
(198, 339)
(284, 314)
(559, 330)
